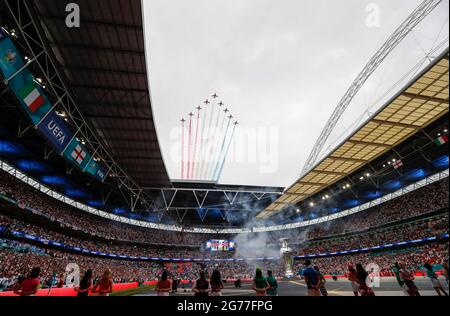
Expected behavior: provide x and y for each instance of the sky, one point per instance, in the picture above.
(281, 67)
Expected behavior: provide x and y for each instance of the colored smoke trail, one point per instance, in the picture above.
(219, 174)
(189, 147)
(222, 148)
(205, 143)
(182, 148)
(202, 147)
(215, 140)
(195, 144)
(222, 136)
(208, 147)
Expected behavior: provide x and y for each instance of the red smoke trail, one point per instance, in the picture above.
(202, 146)
(189, 147)
(195, 144)
(182, 149)
(208, 143)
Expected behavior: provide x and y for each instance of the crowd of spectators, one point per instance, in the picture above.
(14, 225)
(431, 227)
(17, 259)
(413, 258)
(68, 216)
(430, 198)
(365, 229)
(427, 199)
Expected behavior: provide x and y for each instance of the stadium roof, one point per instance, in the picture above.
(422, 102)
(104, 63)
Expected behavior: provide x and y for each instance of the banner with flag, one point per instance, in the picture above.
(56, 131)
(10, 59)
(76, 153)
(31, 96)
(34, 101)
(442, 140)
(94, 169)
(397, 164)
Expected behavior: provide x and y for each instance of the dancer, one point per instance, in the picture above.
(273, 291)
(260, 284)
(351, 276)
(30, 285)
(361, 277)
(85, 284)
(216, 283)
(164, 285)
(434, 279)
(104, 286)
(408, 279)
(201, 287)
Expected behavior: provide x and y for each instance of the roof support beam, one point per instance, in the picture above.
(312, 183)
(124, 129)
(358, 142)
(73, 46)
(94, 87)
(87, 21)
(121, 118)
(331, 173)
(424, 98)
(394, 124)
(348, 159)
(110, 71)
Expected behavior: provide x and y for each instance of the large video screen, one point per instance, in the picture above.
(220, 245)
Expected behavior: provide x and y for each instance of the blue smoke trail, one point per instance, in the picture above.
(217, 151)
(215, 139)
(222, 149)
(219, 174)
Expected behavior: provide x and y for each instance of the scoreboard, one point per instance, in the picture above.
(220, 245)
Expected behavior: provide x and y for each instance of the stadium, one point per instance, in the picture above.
(98, 199)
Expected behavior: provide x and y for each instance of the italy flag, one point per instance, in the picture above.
(442, 140)
(31, 96)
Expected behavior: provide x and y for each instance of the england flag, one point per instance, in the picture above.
(79, 154)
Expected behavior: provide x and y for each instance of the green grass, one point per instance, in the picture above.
(135, 291)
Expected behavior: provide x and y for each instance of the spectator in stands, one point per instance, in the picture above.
(434, 279)
(361, 277)
(104, 287)
(30, 285)
(164, 285)
(260, 284)
(201, 287)
(216, 283)
(85, 284)
(312, 279)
